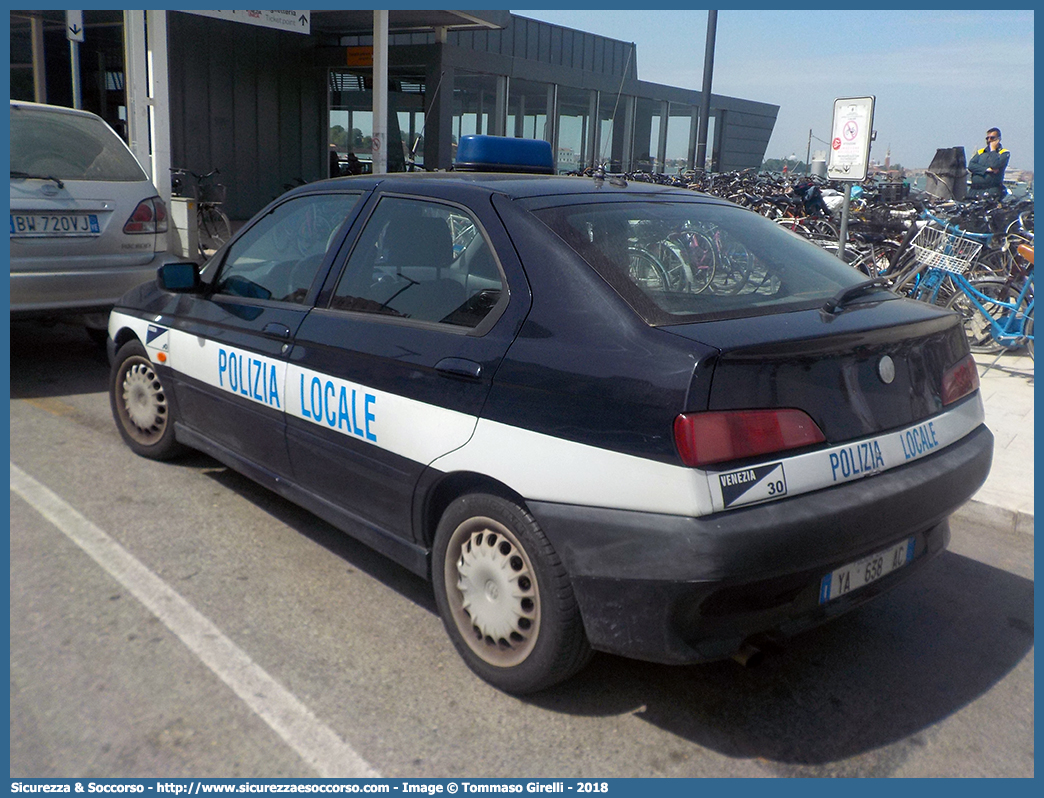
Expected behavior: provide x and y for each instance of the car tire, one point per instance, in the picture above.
(139, 404)
(505, 596)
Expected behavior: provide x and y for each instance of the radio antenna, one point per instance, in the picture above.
(619, 92)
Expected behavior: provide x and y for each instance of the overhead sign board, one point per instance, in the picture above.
(359, 56)
(74, 26)
(851, 133)
(296, 21)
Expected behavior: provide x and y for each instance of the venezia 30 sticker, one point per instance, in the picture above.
(753, 484)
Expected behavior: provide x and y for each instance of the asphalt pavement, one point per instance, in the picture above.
(1006, 499)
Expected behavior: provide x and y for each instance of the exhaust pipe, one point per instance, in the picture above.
(749, 655)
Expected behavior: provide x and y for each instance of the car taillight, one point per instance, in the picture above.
(960, 380)
(149, 217)
(161, 215)
(706, 438)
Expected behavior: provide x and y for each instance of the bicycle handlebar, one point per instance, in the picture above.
(179, 171)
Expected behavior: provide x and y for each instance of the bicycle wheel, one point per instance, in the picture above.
(733, 271)
(933, 286)
(880, 260)
(871, 259)
(979, 322)
(699, 252)
(823, 228)
(214, 228)
(670, 258)
(1000, 262)
(645, 271)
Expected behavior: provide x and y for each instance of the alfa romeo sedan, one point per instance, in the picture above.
(596, 415)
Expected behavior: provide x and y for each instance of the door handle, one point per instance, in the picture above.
(459, 367)
(275, 329)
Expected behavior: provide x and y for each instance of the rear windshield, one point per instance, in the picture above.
(676, 262)
(69, 147)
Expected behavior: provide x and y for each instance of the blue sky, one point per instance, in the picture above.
(940, 78)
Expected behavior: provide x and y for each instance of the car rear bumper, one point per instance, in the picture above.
(36, 293)
(678, 589)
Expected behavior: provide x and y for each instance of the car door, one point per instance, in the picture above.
(391, 369)
(229, 345)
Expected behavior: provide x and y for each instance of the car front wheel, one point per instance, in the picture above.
(505, 597)
(139, 404)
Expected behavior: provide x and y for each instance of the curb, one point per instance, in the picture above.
(998, 518)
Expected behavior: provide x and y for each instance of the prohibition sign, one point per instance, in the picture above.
(850, 131)
(836, 144)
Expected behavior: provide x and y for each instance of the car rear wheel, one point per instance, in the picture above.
(505, 597)
(139, 404)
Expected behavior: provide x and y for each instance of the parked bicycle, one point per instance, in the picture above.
(214, 227)
(940, 250)
(997, 314)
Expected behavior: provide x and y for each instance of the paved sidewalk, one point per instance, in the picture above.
(1006, 499)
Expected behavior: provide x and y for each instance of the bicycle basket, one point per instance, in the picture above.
(210, 192)
(946, 250)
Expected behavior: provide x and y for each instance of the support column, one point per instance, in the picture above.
(520, 117)
(136, 83)
(694, 124)
(593, 129)
(623, 126)
(500, 107)
(39, 63)
(438, 115)
(159, 90)
(380, 92)
(661, 145)
(551, 119)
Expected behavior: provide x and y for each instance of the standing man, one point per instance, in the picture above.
(987, 167)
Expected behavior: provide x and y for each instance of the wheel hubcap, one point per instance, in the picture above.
(144, 402)
(496, 604)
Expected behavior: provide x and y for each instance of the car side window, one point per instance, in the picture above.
(279, 256)
(421, 260)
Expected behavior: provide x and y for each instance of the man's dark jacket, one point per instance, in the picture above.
(991, 182)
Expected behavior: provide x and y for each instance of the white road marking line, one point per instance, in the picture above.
(313, 740)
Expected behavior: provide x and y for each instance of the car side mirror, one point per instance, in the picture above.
(179, 278)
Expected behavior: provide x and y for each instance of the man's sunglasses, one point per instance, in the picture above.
(991, 138)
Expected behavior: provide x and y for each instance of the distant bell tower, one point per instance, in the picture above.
(888, 157)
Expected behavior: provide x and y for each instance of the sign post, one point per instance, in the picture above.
(74, 33)
(850, 135)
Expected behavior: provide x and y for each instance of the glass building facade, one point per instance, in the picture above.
(578, 91)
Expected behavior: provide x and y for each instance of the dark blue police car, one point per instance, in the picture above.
(597, 415)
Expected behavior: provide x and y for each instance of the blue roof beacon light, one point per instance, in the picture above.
(503, 154)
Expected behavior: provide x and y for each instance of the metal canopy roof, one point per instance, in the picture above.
(348, 22)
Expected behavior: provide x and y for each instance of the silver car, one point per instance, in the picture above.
(87, 224)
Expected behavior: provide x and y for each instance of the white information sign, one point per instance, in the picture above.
(296, 21)
(74, 26)
(850, 137)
